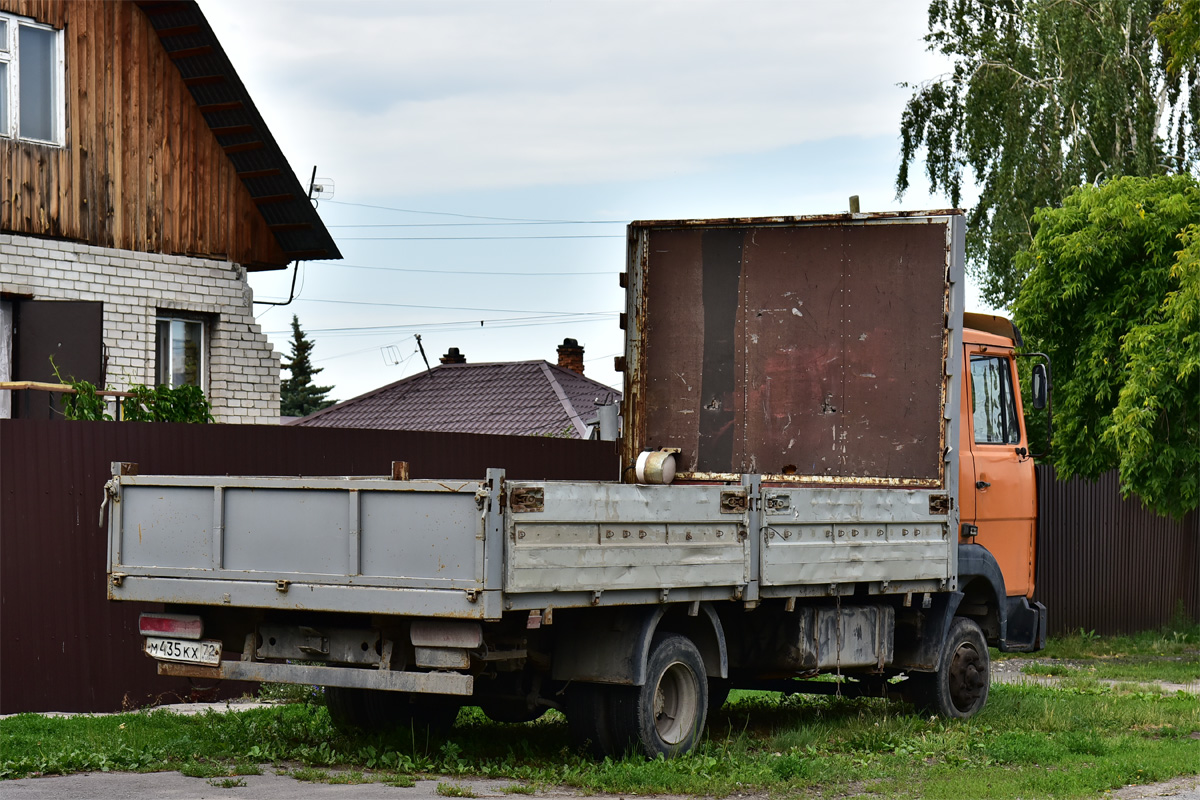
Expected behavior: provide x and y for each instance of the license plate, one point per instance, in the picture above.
(191, 651)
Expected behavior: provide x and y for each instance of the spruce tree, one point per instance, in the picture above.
(298, 397)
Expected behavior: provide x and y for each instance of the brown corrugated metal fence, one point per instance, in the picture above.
(1106, 564)
(63, 646)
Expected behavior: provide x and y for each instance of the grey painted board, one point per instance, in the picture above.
(835, 505)
(427, 535)
(286, 530)
(323, 596)
(815, 536)
(168, 527)
(602, 536)
(595, 502)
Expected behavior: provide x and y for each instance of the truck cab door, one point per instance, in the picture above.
(1002, 479)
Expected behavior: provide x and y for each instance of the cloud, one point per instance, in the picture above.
(452, 96)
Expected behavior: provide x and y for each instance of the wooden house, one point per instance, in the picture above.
(138, 187)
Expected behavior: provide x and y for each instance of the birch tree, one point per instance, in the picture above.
(1045, 95)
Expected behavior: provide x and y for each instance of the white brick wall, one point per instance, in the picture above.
(242, 371)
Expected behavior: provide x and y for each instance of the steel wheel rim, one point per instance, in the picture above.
(676, 703)
(968, 678)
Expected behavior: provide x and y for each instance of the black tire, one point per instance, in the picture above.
(588, 706)
(959, 687)
(374, 710)
(665, 716)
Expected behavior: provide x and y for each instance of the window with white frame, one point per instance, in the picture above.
(32, 98)
(181, 351)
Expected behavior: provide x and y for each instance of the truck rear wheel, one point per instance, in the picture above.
(666, 715)
(374, 710)
(959, 687)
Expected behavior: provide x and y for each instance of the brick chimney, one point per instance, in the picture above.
(453, 357)
(570, 356)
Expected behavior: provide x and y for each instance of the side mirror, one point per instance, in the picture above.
(1038, 386)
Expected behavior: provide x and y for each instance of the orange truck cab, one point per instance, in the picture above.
(997, 488)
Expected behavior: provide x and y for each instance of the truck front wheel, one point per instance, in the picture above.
(959, 688)
(666, 715)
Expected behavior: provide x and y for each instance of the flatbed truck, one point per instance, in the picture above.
(824, 470)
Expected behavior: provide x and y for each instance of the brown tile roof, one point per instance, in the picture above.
(519, 398)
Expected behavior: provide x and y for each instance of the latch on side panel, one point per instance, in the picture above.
(733, 502)
(528, 499)
(778, 502)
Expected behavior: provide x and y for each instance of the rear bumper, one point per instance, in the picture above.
(356, 678)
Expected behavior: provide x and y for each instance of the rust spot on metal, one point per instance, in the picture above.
(188, 670)
(813, 480)
(400, 471)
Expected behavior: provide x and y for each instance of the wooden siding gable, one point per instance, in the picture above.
(165, 151)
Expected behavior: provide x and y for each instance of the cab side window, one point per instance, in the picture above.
(994, 409)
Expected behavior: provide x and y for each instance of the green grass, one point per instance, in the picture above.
(455, 790)
(1133, 669)
(1051, 670)
(518, 788)
(227, 783)
(1180, 639)
(1075, 740)
(1171, 654)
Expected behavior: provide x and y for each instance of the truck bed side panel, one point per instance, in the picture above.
(596, 537)
(417, 534)
(828, 536)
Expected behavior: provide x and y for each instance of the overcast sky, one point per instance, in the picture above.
(485, 156)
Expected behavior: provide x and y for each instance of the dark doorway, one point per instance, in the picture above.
(69, 331)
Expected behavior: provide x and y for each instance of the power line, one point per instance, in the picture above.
(515, 322)
(473, 238)
(482, 224)
(457, 308)
(464, 272)
(465, 216)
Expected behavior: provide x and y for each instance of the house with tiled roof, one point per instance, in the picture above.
(514, 398)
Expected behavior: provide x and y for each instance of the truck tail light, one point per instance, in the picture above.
(182, 626)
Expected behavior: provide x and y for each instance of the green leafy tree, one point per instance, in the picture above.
(1113, 297)
(298, 397)
(1045, 95)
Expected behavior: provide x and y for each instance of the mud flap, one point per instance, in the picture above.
(1026, 629)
